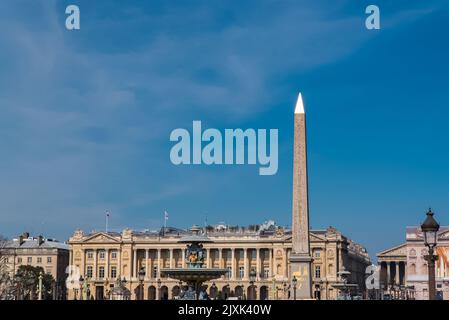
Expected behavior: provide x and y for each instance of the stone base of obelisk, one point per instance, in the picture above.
(301, 269)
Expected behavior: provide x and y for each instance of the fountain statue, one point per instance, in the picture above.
(195, 274)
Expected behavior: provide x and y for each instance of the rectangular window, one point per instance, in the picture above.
(317, 253)
(101, 272)
(317, 271)
(229, 273)
(89, 271)
(48, 259)
(114, 254)
(113, 272)
(102, 254)
(90, 254)
(241, 272)
(29, 260)
(19, 260)
(39, 259)
(266, 273)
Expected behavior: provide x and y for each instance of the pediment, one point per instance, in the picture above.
(100, 237)
(444, 234)
(315, 237)
(397, 251)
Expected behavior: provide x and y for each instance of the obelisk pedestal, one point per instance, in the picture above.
(300, 259)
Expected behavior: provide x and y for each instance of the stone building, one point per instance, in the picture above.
(51, 255)
(404, 268)
(101, 258)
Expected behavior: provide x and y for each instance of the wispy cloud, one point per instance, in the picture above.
(82, 111)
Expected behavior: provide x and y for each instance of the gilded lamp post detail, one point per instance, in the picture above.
(300, 258)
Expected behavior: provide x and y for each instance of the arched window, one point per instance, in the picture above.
(263, 293)
(151, 293)
(238, 291)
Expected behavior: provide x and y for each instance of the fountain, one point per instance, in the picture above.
(194, 274)
(343, 285)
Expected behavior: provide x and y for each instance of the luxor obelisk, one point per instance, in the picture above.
(300, 259)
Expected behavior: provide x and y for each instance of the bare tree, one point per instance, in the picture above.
(5, 280)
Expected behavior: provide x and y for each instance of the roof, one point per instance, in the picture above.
(33, 243)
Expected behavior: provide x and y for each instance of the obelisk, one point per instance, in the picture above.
(300, 259)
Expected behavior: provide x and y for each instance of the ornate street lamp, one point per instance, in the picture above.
(141, 279)
(159, 284)
(213, 289)
(252, 279)
(81, 282)
(430, 229)
(294, 282)
(285, 290)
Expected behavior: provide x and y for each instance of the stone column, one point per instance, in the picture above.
(300, 259)
(119, 262)
(208, 260)
(183, 258)
(397, 278)
(405, 273)
(134, 274)
(95, 274)
(388, 273)
(106, 271)
(147, 264)
(270, 257)
(171, 258)
(159, 263)
(245, 263)
(220, 258)
(258, 262)
(233, 264)
(285, 264)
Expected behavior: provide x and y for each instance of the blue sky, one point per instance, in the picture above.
(86, 115)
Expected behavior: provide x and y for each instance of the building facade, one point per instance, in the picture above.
(51, 255)
(404, 267)
(101, 258)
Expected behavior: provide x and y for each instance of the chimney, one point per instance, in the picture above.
(26, 235)
(20, 240)
(40, 240)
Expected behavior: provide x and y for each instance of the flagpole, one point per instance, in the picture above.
(107, 220)
(165, 221)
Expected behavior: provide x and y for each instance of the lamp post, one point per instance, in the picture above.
(213, 289)
(141, 279)
(159, 284)
(294, 282)
(40, 285)
(252, 278)
(430, 229)
(81, 282)
(285, 290)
